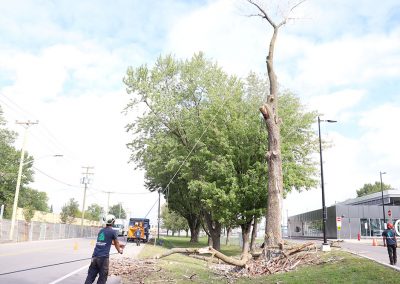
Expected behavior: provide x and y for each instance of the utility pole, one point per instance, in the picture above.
(85, 181)
(26, 124)
(108, 200)
(158, 226)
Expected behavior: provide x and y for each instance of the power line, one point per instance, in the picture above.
(55, 179)
(51, 140)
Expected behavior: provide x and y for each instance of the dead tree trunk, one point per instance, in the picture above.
(269, 111)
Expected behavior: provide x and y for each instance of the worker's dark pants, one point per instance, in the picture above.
(392, 254)
(99, 265)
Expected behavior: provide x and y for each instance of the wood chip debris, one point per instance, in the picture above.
(134, 270)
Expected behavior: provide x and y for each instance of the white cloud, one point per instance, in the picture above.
(67, 69)
(332, 105)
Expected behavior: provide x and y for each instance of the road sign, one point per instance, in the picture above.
(389, 212)
(339, 223)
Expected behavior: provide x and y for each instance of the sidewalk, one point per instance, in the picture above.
(364, 248)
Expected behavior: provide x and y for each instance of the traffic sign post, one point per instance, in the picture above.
(339, 224)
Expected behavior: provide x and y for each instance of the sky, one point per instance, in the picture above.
(62, 63)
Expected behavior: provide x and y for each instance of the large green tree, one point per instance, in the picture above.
(172, 221)
(200, 140)
(369, 188)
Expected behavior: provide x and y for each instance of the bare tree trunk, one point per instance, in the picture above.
(214, 228)
(275, 180)
(209, 241)
(228, 232)
(194, 227)
(245, 238)
(269, 111)
(253, 235)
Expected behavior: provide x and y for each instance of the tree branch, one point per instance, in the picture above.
(264, 14)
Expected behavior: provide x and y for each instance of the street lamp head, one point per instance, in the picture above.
(331, 121)
(383, 173)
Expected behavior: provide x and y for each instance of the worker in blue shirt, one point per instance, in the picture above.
(101, 253)
(390, 241)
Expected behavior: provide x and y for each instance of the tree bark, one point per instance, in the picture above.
(228, 232)
(273, 234)
(245, 238)
(214, 228)
(194, 227)
(254, 234)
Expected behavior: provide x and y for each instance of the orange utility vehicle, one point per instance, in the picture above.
(141, 224)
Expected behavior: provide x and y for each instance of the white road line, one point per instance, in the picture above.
(69, 274)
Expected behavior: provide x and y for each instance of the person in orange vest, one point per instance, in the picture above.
(137, 236)
(390, 241)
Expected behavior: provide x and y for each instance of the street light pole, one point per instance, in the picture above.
(383, 202)
(324, 212)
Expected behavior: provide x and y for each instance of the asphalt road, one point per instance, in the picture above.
(29, 256)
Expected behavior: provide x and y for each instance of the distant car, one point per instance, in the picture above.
(120, 229)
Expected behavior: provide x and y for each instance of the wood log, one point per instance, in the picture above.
(207, 250)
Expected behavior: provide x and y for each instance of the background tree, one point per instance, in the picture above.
(69, 211)
(369, 188)
(28, 212)
(94, 212)
(202, 130)
(118, 211)
(269, 110)
(9, 163)
(172, 221)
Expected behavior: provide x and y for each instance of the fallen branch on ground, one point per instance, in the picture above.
(206, 250)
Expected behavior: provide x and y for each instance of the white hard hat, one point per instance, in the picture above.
(109, 219)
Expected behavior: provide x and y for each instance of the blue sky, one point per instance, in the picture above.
(62, 62)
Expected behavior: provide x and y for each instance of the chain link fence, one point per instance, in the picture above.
(35, 231)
